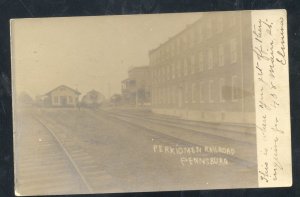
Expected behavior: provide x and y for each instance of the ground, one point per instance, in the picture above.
(107, 151)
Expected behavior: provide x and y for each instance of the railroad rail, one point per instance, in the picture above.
(68, 156)
(43, 166)
(207, 129)
(56, 164)
(156, 132)
(248, 129)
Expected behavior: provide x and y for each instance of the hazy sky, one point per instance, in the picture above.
(86, 52)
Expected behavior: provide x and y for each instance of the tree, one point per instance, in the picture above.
(25, 99)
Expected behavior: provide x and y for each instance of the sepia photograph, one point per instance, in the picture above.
(150, 102)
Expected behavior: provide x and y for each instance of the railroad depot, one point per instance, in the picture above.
(205, 72)
(61, 96)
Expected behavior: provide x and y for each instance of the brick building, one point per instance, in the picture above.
(205, 72)
(136, 88)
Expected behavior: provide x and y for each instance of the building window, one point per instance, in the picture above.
(221, 55)
(167, 95)
(56, 99)
(199, 33)
(167, 72)
(190, 92)
(186, 92)
(168, 51)
(193, 64)
(210, 91)
(219, 25)
(155, 96)
(200, 61)
(185, 64)
(170, 95)
(182, 68)
(221, 90)
(235, 88)
(189, 64)
(194, 93)
(174, 94)
(70, 99)
(208, 29)
(232, 20)
(178, 69)
(178, 42)
(210, 59)
(192, 38)
(173, 71)
(233, 50)
(173, 49)
(164, 95)
(183, 43)
(152, 77)
(160, 96)
(188, 40)
(201, 92)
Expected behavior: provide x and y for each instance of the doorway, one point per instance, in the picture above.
(63, 100)
(180, 97)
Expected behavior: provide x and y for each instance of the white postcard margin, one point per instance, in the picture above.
(272, 102)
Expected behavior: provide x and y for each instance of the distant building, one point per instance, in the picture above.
(24, 99)
(116, 99)
(92, 99)
(62, 96)
(42, 100)
(205, 72)
(136, 88)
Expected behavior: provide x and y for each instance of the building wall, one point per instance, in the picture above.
(141, 76)
(138, 81)
(205, 72)
(61, 95)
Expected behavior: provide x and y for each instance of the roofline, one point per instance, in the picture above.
(188, 26)
(139, 67)
(77, 92)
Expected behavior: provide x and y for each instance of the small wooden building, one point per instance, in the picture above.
(62, 96)
(92, 99)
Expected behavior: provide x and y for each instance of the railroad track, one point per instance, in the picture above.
(233, 128)
(217, 133)
(56, 164)
(156, 133)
